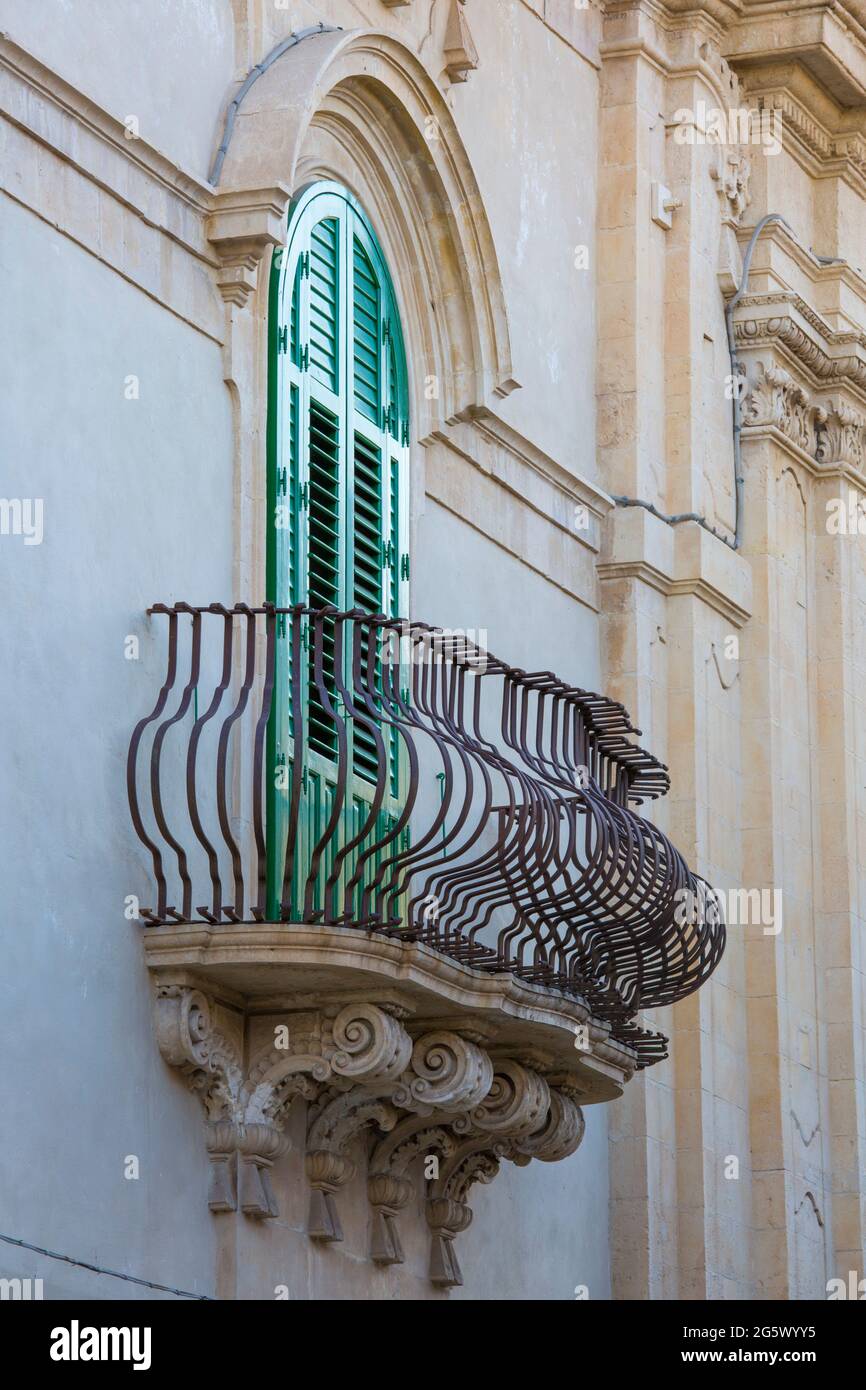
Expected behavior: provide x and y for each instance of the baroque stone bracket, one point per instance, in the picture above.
(241, 227)
(439, 1095)
(430, 1078)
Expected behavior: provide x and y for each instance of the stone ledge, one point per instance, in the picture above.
(263, 969)
(681, 559)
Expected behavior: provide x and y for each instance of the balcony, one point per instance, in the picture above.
(407, 882)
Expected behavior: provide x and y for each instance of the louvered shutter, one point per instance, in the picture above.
(338, 456)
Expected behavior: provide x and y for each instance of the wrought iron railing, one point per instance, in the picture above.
(353, 770)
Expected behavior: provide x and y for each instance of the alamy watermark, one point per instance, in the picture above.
(22, 516)
(21, 1290)
(710, 125)
(405, 644)
(737, 907)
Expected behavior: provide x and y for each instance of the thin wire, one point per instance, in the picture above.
(115, 1274)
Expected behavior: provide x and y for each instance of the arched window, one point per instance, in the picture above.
(338, 505)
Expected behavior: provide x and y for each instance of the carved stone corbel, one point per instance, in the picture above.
(211, 1063)
(328, 1050)
(359, 1068)
(518, 1107)
(441, 1071)
(476, 1159)
(328, 1167)
(561, 1133)
(388, 1187)
(461, 55)
(449, 1072)
(241, 227)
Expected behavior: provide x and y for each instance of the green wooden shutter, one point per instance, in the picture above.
(338, 435)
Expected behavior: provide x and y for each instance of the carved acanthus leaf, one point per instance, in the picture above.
(775, 398)
(840, 434)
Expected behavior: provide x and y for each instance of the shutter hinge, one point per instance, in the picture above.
(304, 359)
(386, 330)
(283, 340)
(281, 632)
(387, 554)
(404, 437)
(304, 495)
(281, 480)
(305, 264)
(404, 566)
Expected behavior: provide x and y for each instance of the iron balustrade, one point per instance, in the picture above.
(401, 779)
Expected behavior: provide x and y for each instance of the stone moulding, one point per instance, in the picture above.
(387, 1042)
(828, 429)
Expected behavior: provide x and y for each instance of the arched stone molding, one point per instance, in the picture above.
(360, 108)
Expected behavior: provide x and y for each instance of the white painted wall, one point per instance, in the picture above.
(137, 508)
(168, 63)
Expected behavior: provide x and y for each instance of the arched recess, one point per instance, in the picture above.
(359, 108)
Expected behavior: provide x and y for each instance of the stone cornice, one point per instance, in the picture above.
(674, 50)
(575, 487)
(826, 139)
(778, 251)
(827, 359)
(826, 39)
(228, 231)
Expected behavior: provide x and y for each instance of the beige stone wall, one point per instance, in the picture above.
(767, 1063)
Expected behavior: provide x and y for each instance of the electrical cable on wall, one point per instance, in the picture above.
(112, 1273)
(253, 76)
(739, 482)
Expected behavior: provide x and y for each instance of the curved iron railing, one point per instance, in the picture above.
(423, 789)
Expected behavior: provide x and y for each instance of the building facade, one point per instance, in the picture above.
(544, 324)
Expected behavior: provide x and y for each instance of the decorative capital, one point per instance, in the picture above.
(840, 434)
(241, 227)
(775, 398)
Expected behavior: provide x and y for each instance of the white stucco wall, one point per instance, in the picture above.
(169, 63)
(137, 500)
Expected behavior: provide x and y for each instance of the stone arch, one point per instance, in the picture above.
(360, 108)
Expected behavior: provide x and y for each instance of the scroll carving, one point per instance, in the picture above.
(438, 1096)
